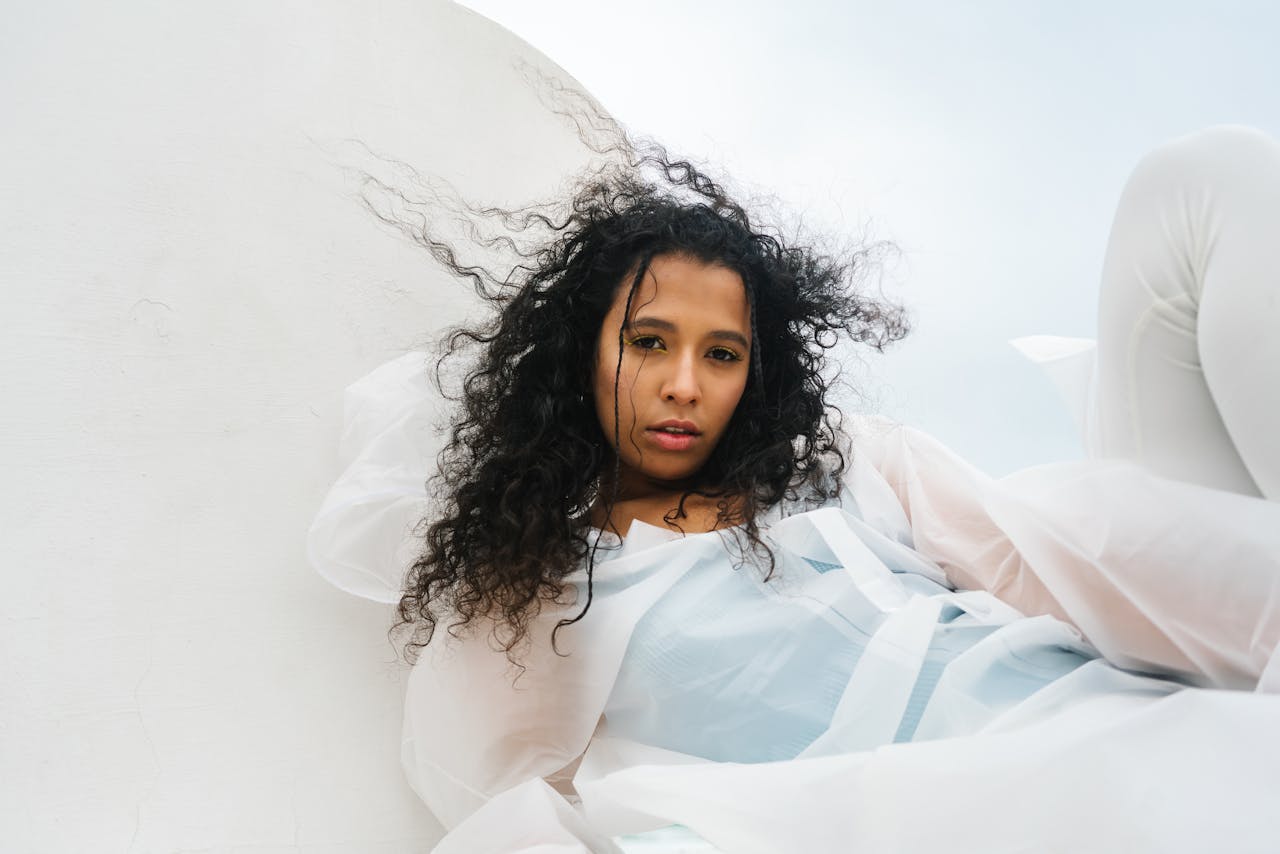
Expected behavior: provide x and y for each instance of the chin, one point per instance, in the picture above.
(679, 476)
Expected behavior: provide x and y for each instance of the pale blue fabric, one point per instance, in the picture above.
(727, 667)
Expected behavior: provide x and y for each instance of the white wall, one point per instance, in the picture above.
(186, 285)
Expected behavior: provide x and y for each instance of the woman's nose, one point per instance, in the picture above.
(681, 384)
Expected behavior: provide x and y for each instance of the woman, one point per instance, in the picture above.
(726, 328)
(679, 592)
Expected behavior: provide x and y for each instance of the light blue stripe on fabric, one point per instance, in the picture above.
(913, 582)
(947, 643)
(821, 565)
(952, 636)
(930, 673)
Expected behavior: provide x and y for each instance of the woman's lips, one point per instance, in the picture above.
(671, 441)
(674, 434)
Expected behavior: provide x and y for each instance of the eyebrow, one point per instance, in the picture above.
(667, 326)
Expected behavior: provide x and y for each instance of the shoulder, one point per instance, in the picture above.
(871, 447)
(882, 458)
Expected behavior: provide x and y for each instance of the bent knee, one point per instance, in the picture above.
(1214, 156)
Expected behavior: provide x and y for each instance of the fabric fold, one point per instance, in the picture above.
(932, 631)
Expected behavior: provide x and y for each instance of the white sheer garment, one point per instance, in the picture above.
(1159, 576)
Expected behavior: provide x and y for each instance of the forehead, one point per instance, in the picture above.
(690, 293)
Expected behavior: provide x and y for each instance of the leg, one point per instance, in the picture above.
(1188, 377)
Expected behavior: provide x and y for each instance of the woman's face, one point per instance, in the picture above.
(684, 367)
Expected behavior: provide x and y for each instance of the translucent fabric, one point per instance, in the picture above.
(936, 643)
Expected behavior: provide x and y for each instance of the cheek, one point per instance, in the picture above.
(630, 380)
(733, 395)
(726, 406)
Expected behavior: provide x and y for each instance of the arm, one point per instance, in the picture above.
(360, 540)
(469, 734)
(1159, 575)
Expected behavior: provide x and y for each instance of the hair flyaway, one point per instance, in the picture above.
(527, 459)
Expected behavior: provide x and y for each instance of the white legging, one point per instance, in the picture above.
(1188, 380)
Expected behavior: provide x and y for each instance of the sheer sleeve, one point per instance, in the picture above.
(361, 539)
(472, 730)
(1159, 575)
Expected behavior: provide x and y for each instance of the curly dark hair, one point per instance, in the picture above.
(527, 458)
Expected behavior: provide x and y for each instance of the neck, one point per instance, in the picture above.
(654, 502)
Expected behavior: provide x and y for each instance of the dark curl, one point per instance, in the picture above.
(527, 458)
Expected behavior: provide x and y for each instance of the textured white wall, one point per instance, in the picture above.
(186, 285)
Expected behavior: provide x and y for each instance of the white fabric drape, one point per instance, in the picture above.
(1158, 575)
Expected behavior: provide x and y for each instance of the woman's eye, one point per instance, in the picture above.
(647, 342)
(724, 354)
